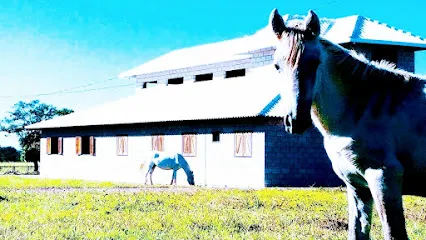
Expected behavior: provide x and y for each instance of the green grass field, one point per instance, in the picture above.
(66, 209)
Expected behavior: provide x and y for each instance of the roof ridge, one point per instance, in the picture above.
(393, 28)
(358, 27)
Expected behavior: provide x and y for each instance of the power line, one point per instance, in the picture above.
(103, 88)
(68, 90)
(325, 4)
(88, 85)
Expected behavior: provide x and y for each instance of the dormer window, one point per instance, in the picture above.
(175, 81)
(235, 73)
(147, 84)
(204, 77)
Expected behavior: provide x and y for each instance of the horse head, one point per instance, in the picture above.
(191, 178)
(297, 57)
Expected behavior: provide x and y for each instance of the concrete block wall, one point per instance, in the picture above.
(297, 160)
(258, 58)
(406, 60)
(405, 56)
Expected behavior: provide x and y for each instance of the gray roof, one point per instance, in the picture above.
(253, 95)
(355, 29)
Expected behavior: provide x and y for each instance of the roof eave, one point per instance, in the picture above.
(144, 122)
(419, 46)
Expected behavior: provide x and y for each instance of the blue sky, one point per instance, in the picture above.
(46, 46)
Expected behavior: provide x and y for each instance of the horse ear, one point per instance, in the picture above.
(277, 23)
(313, 24)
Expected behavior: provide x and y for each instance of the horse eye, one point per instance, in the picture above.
(277, 67)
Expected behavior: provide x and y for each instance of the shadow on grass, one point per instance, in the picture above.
(335, 225)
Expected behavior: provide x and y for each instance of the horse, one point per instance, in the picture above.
(168, 161)
(370, 113)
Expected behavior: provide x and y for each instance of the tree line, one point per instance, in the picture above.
(21, 115)
(9, 154)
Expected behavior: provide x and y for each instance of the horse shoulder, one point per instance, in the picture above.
(351, 156)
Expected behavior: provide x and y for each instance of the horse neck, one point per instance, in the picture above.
(184, 165)
(347, 83)
(334, 80)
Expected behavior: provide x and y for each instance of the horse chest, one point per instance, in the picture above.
(344, 169)
(339, 156)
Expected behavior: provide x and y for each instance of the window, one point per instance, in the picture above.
(204, 77)
(157, 143)
(243, 147)
(189, 145)
(54, 145)
(216, 136)
(384, 53)
(235, 73)
(85, 145)
(148, 84)
(122, 145)
(174, 81)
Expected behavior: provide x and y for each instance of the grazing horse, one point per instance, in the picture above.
(168, 161)
(371, 115)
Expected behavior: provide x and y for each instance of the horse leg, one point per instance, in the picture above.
(173, 177)
(149, 172)
(360, 206)
(386, 187)
(360, 200)
(146, 176)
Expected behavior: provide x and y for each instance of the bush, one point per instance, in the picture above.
(9, 154)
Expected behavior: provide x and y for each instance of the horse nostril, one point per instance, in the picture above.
(277, 67)
(288, 120)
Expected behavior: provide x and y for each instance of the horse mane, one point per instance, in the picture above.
(295, 36)
(361, 68)
(370, 79)
(348, 60)
(296, 49)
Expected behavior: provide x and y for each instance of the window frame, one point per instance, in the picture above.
(243, 135)
(124, 140)
(175, 81)
(50, 143)
(193, 137)
(154, 138)
(79, 145)
(241, 72)
(204, 77)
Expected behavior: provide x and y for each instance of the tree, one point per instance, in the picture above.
(9, 154)
(27, 113)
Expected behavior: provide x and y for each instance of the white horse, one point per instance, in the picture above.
(372, 117)
(168, 161)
